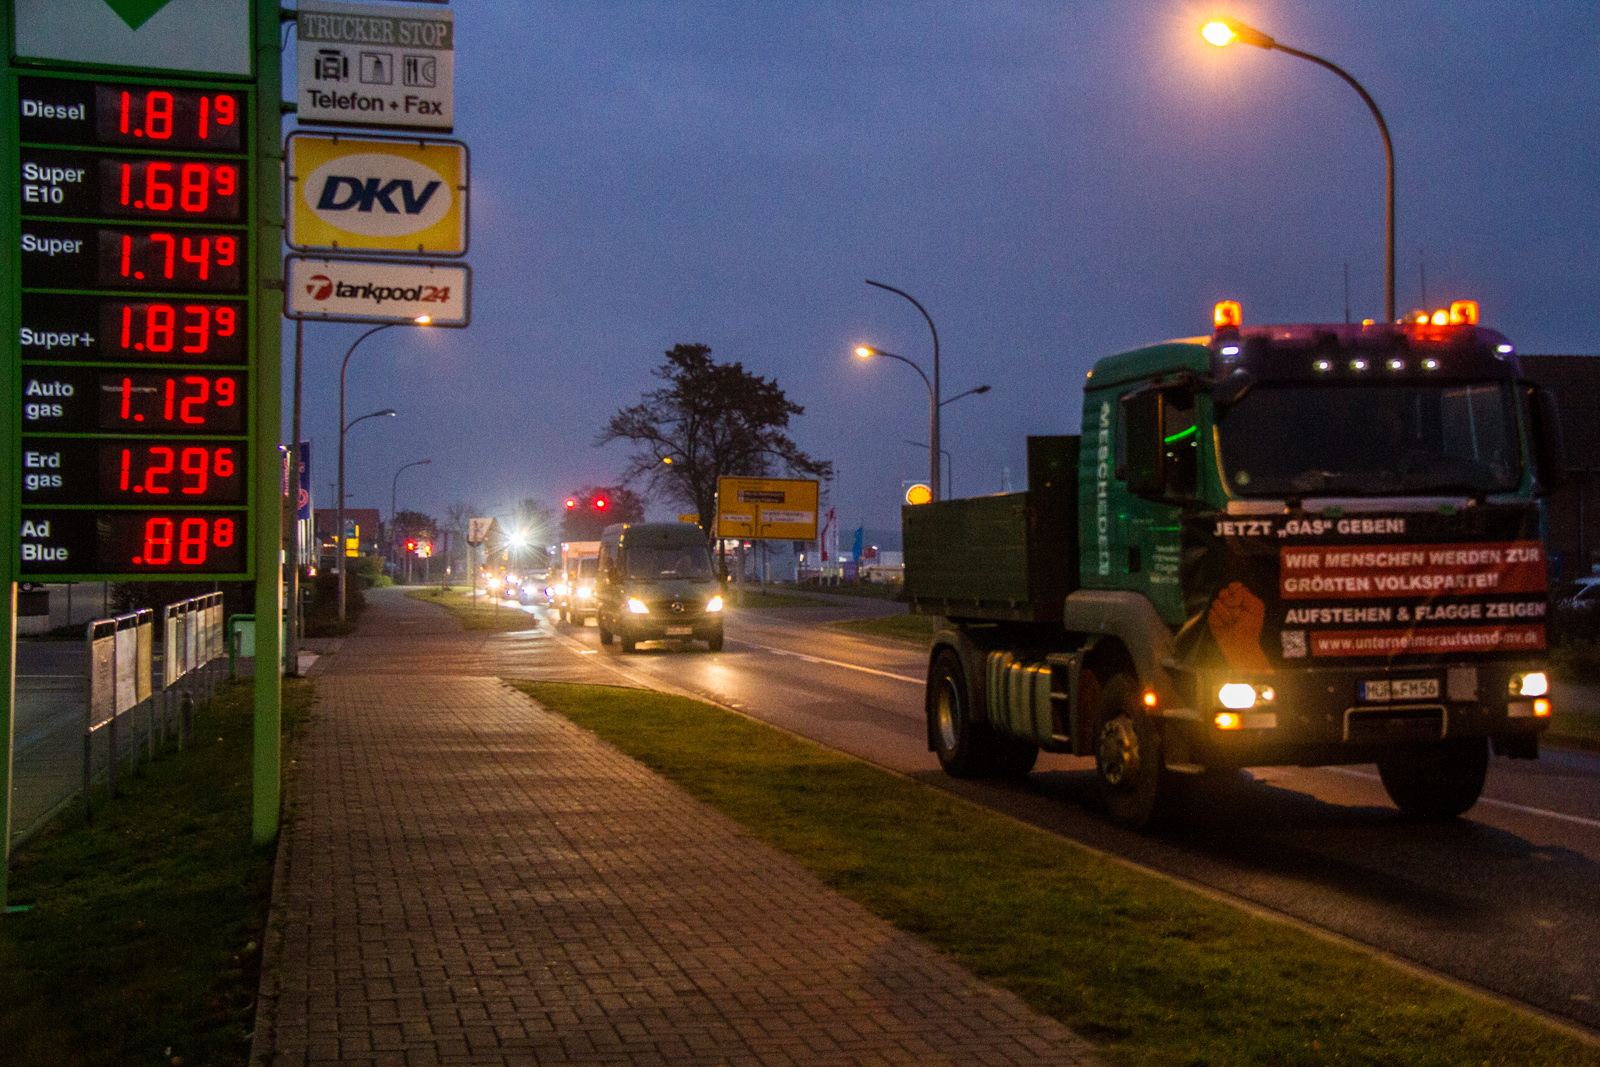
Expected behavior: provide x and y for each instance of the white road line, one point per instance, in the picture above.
(1580, 820)
(836, 663)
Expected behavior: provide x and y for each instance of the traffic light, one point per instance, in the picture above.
(572, 503)
(411, 546)
(600, 503)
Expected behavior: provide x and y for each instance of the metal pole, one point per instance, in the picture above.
(291, 651)
(338, 525)
(933, 401)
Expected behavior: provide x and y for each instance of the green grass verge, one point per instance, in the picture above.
(483, 614)
(143, 941)
(917, 629)
(755, 598)
(1150, 972)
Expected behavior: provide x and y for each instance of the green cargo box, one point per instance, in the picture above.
(1011, 557)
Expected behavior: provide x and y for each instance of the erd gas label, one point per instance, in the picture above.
(1297, 589)
(374, 194)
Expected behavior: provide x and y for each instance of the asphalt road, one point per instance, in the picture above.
(1506, 898)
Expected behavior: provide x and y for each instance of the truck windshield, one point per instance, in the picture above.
(1355, 440)
(655, 564)
(588, 566)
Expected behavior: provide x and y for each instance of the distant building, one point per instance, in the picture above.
(366, 519)
(1573, 532)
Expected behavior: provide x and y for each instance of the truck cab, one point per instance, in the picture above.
(1295, 544)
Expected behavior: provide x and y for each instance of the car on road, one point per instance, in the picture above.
(575, 592)
(656, 583)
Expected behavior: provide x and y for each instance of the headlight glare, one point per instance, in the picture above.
(714, 604)
(1532, 684)
(637, 606)
(1237, 696)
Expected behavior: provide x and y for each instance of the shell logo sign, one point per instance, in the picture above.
(378, 194)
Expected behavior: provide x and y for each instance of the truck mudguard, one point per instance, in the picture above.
(1133, 620)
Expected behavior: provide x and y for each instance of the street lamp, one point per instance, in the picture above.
(1224, 32)
(933, 386)
(393, 509)
(338, 532)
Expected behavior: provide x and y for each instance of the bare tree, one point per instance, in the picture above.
(710, 420)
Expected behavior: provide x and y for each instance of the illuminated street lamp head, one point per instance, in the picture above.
(423, 320)
(864, 352)
(1223, 32)
(518, 539)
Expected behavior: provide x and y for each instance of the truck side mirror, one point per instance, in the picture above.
(1141, 419)
(1550, 453)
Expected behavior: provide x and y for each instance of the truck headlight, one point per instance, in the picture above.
(1530, 684)
(714, 604)
(1237, 696)
(584, 593)
(637, 606)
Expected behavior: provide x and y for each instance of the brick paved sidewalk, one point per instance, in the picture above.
(467, 878)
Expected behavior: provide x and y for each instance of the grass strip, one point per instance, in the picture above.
(917, 629)
(479, 614)
(143, 941)
(1577, 724)
(1150, 972)
(757, 598)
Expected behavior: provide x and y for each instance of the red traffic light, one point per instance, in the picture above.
(572, 502)
(411, 546)
(600, 503)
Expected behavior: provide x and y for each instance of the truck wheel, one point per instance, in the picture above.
(1012, 757)
(605, 634)
(628, 646)
(1438, 781)
(1128, 757)
(961, 744)
(714, 644)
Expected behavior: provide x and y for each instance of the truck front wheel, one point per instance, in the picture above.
(1128, 757)
(961, 744)
(1437, 781)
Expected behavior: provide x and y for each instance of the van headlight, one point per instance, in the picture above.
(584, 592)
(714, 604)
(1530, 684)
(637, 606)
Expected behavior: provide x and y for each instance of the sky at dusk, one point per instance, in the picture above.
(1055, 182)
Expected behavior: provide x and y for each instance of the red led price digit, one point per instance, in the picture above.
(225, 316)
(152, 472)
(157, 194)
(203, 258)
(226, 177)
(158, 115)
(192, 541)
(226, 247)
(225, 389)
(194, 463)
(158, 328)
(200, 397)
(222, 533)
(224, 464)
(202, 330)
(224, 111)
(157, 543)
(172, 246)
(195, 187)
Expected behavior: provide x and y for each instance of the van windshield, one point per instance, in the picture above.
(655, 564)
(588, 566)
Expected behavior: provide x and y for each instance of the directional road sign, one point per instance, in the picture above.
(774, 509)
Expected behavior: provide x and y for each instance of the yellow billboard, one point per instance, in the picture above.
(376, 194)
(774, 509)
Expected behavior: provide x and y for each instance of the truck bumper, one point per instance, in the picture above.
(1347, 714)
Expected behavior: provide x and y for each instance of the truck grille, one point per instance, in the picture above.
(1414, 722)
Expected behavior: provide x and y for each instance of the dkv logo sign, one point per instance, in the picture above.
(377, 195)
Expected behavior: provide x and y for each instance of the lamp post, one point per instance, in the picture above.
(1224, 32)
(395, 511)
(933, 386)
(338, 522)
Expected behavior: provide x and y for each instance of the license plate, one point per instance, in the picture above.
(685, 631)
(1401, 689)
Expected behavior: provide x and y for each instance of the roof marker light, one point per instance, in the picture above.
(1397, 364)
(1358, 364)
(1430, 364)
(1227, 313)
(1230, 350)
(1324, 364)
(1441, 317)
(1504, 350)
(1420, 318)
(1464, 312)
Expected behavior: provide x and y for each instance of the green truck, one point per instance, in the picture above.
(1272, 545)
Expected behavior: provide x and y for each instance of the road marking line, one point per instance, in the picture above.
(837, 663)
(1525, 809)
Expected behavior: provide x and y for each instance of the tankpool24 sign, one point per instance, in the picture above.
(377, 194)
(357, 290)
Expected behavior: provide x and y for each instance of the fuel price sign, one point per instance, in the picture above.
(136, 319)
